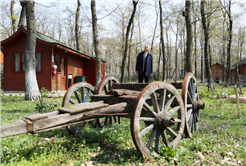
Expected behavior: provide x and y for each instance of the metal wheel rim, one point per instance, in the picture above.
(82, 91)
(106, 85)
(157, 135)
(190, 90)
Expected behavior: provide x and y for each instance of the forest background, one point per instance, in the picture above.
(57, 20)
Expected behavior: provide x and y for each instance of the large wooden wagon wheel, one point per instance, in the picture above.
(159, 118)
(190, 97)
(103, 88)
(77, 93)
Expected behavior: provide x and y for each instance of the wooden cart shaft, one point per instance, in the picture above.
(40, 122)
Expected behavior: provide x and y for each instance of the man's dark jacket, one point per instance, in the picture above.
(149, 64)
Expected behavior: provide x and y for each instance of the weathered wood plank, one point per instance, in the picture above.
(132, 86)
(37, 116)
(16, 128)
(110, 99)
(69, 118)
(81, 107)
(120, 92)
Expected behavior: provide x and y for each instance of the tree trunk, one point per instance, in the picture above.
(96, 43)
(176, 54)
(13, 18)
(152, 42)
(206, 34)
(189, 36)
(32, 90)
(229, 46)
(168, 57)
(162, 42)
(126, 41)
(22, 14)
(76, 25)
(129, 57)
(158, 75)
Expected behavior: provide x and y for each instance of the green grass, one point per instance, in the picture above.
(220, 140)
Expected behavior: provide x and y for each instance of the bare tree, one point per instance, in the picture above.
(96, 43)
(129, 57)
(13, 17)
(22, 14)
(126, 40)
(206, 35)
(32, 90)
(76, 25)
(187, 15)
(229, 32)
(162, 42)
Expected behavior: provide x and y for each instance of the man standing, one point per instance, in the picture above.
(144, 66)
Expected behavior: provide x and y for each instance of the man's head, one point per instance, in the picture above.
(146, 48)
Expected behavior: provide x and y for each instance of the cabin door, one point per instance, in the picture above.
(63, 73)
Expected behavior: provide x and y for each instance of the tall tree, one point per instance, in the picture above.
(162, 42)
(22, 14)
(129, 57)
(76, 24)
(229, 32)
(206, 36)
(13, 17)
(32, 91)
(96, 42)
(126, 39)
(187, 15)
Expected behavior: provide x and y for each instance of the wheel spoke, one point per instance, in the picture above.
(168, 104)
(172, 132)
(157, 142)
(87, 95)
(83, 94)
(189, 112)
(173, 110)
(71, 101)
(147, 119)
(162, 99)
(155, 103)
(77, 96)
(78, 127)
(149, 109)
(164, 136)
(189, 105)
(190, 97)
(151, 138)
(177, 120)
(146, 130)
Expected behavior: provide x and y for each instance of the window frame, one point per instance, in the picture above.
(22, 62)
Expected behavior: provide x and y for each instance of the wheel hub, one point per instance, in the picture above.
(197, 105)
(163, 121)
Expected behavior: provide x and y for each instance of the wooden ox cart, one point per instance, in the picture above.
(159, 114)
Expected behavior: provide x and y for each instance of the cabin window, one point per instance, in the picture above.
(17, 62)
(63, 67)
(38, 62)
(58, 62)
(20, 62)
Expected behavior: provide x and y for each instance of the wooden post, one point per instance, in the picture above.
(238, 107)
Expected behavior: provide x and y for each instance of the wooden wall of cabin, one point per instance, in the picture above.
(90, 71)
(74, 66)
(15, 80)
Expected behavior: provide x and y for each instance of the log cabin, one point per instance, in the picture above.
(49, 52)
(241, 67)
(217, 71)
